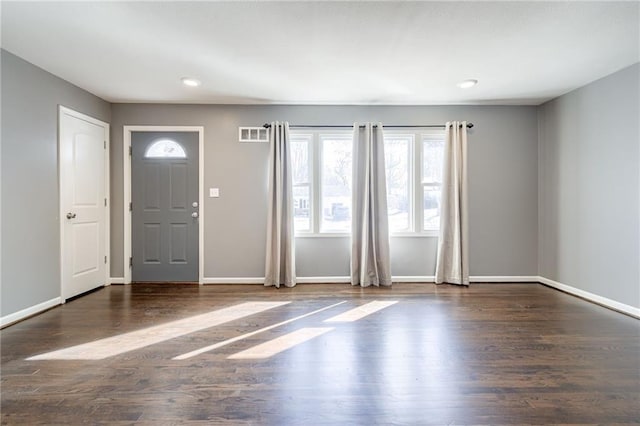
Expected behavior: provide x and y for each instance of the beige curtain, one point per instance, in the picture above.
(280, 255)
(452, 264)
(370, 263)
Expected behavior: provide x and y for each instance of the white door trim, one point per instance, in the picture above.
(127, 191)
(62, 110)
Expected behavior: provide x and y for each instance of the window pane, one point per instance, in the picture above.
(300, 172)
(336, 185)
(300, 160)
(432, 160)
(396, 157)
(165, 148)
(301, 209)
(431, 207)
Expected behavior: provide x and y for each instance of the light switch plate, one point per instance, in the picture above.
(214, 192)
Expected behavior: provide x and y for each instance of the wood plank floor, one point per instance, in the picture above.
(488, 354)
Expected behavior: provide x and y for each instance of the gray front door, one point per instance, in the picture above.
(164, 194)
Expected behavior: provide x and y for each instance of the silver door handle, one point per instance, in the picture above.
(194, 214)
(71, 215)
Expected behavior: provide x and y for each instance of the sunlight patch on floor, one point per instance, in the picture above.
(253, 333)
(361, 311)
(126, 342)
(280, 344)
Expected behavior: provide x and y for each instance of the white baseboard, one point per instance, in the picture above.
(323, 280)
(233, 280)
(413, 279)
(600, 300)
(396, 279)
(260, 280)
(472, 279)
(306, 280)
(503, 279)
(27, 312)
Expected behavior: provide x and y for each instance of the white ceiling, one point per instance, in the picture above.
(321, 52)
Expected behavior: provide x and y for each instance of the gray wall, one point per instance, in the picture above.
(589, 188)
(30, 220)
(503, 186)
(580, 153)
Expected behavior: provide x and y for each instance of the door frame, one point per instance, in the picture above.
(62, 111)
(126, 150)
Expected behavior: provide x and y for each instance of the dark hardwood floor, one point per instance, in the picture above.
(488, 354)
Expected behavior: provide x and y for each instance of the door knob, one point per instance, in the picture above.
(194, 214)
(71, 215)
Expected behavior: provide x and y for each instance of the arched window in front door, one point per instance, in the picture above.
(165, 148)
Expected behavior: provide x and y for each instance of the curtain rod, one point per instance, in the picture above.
(399, 126)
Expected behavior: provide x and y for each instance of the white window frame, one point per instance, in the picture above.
(315, 176)
(321, 137)
(425, 134)
(411, 137)
(311, 180)
(416, 186)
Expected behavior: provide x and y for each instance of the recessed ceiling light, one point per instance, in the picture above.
(467, 83)
(191, 82)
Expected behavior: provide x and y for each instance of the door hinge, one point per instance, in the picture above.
(130, 151)
(105, 259)
(105, 144)
(131, 261)
(130, 206)
(105, 202)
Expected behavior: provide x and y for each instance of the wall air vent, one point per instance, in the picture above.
(253, 134)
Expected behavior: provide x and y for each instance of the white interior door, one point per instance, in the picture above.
(83, 202)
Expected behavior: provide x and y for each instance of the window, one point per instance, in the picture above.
(397, 159)
(321, 169)
(165, 148)
(322, 164)
(336, 169)
(431, 180)
(414, 181)
(301, 174)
